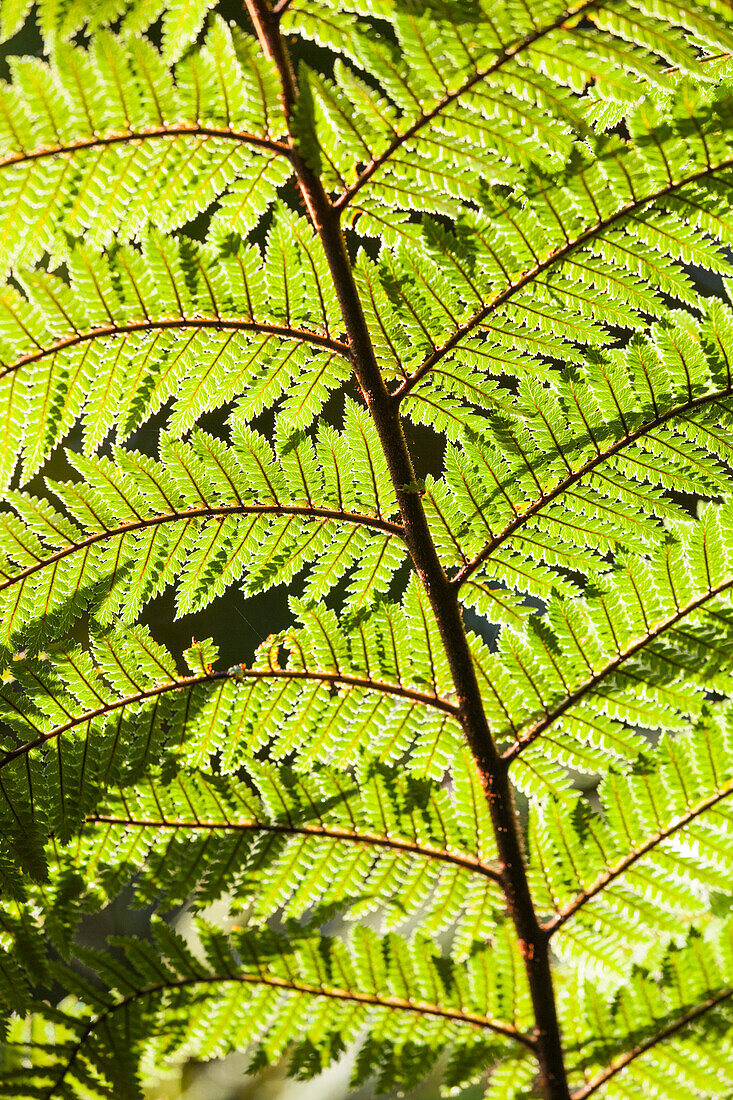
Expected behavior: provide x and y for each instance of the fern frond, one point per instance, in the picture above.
(83, 720)
(571, 265)
(460, 292)
(201, 324)
(286, 841)
(251, 986)
(651, 1037)
(60, 22)
(394, 691)
(101, 143)
(567, 471)
(204, 516)
(504, 92)
(642, 653)
(76, 721)
(656, 856)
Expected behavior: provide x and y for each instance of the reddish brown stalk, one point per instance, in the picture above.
(218, 324)
(443, 598)
(345, 679)
(332, 832)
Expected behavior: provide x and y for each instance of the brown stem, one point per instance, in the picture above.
(345, 679)
(333, 832)
(533, 940)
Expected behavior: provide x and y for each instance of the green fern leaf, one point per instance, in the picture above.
(425, 307)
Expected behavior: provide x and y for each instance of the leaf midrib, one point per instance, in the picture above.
(290, 985)
(428, 851)
(334, 678)
(202, 321)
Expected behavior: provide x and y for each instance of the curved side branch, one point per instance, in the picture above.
(185, 682)
(217, 324)
(555, 257)
(368, 839)
(593, 681)
(630, 1056)
(464, 573)
(337, 679)
(306, 512)
(628, 861)
(177, 130)
(507, 54)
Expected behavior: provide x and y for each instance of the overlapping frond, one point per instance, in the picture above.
(461, 285)
(79, 721)
(101, 142)
(201, 324)
(76, 721)
(541, 273)
(289, 841)
(469, 107)
(568, 470)
(203, 517)
(374, 683)
(250, 987)
(654, 1037)
(654, 859)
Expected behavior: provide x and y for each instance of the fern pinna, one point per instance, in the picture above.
(426, 305)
